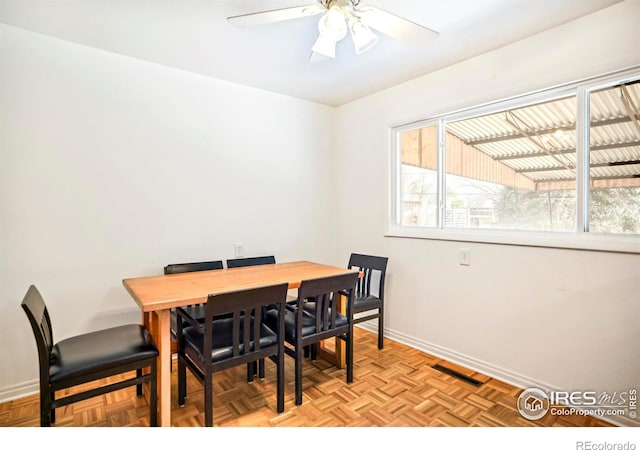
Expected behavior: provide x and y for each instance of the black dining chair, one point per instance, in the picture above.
(243, 338)
(369, 293)
(192, 267)
(253, 261)
(89, 357)
(196, 311)
(306, 327)
(246, 262)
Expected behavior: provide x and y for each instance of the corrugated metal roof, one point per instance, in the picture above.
(527, 139)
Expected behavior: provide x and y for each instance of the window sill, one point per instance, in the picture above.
(573, 241)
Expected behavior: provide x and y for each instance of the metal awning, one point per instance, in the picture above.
(539, 141)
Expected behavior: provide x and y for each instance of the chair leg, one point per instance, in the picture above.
(208, 399)
(45, 409)
(314, 351)
(261, 369)
(153, 403)
(306, 351)
(280, 381)
(349, 356)
(138, 386)
(381, 330)
(53, 410)
(250, 371)
(298, 371)
(182, 381)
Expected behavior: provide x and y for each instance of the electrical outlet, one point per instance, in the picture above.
(465, 257)
(238, 250)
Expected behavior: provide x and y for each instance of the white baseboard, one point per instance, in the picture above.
(19, 390)
(493, 371)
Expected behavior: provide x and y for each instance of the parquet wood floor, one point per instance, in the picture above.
(394, 387)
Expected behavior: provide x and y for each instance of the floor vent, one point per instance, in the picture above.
(457, 375)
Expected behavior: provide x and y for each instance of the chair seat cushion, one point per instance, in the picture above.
(308, 322)
(197, 312)
(94, 352)
(222, 332)
(366, 303)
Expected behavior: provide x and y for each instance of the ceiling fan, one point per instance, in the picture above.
(340, 17)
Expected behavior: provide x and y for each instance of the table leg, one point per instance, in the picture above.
(147, 321)
(158, 323)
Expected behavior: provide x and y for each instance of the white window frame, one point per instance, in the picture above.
(579, 239)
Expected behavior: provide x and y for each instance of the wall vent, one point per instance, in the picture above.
(457, 375)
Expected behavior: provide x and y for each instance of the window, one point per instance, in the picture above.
(614, 159)
(501, 169)
(419, 177)
(560, 165)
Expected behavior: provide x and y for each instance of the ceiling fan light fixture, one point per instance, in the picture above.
(362, 36)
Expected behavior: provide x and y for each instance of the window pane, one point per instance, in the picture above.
(614, 159)
(514, 169)
(419, 201)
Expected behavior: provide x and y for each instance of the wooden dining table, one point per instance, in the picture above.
(157, 295)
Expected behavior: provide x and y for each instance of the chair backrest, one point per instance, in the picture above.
(192, 267)
(247, 306)
(36, 310)
(323, 293)
(373, 267)
(255, 261)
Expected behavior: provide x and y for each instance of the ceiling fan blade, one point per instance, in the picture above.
(397, 27)
(276, 15)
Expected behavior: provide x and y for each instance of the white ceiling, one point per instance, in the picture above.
(194, 35)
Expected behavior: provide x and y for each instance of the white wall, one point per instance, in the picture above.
(550, 318)
(111, 167)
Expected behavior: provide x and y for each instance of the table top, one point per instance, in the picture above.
(170, 291)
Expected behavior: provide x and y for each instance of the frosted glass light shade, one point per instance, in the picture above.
(325, 45)
(333, 24)
(362, 36)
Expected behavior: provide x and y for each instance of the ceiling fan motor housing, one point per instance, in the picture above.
(339, 3)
